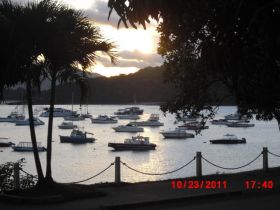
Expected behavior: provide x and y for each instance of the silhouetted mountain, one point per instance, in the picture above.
(145, 86)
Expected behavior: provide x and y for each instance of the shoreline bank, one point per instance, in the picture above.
(132, 195)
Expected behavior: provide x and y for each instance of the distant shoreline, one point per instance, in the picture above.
(126, 104)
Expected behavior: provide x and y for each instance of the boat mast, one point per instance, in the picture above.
(72, 101)
(134, 97)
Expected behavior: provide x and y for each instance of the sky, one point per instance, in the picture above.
(136, 48)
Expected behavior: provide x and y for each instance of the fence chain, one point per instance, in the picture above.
(232, 168)
(94, 175)
(273, 154)
(169, 172)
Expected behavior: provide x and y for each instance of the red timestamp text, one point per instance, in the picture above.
(199, 184)
(254, 184)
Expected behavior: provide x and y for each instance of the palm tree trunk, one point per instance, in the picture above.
(276, 114)
(49, 178)
(32, 132)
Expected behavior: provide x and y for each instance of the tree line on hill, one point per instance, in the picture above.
(145, 86)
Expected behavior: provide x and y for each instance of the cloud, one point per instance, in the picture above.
(131, 43)
(133, 59)
(99, 12)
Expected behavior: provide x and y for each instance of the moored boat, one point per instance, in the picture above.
(27, 147)
(58, 112)
(77, 137)
(193, 126)
(229, 139)
(86, 115)
(128, 117)
(75, 117)
(5, 143)
(235, 116)
(220, 122)
(177, 134)
(135, 143)
(189, 118)
(104, 119)
(129, 110)
(240, 125)
(130, 127)
(67, 125)
(36, 122)
(152, 121)
(14, 116)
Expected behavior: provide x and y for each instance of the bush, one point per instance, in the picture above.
(7, 177)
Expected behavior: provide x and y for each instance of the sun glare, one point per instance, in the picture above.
(79, 4)
(112, 71)
(130, 39)
(144, 42)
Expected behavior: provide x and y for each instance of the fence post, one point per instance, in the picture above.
(198, 164)
(16, 176)
(265, 159)
(117, 170)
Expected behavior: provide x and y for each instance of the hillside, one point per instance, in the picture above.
(144, 86)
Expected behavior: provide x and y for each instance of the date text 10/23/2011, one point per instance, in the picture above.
(220, 184)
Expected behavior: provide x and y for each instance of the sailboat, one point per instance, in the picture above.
(14, 116)
(87, 114)
(74, 117)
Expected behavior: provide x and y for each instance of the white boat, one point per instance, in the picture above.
(228, 122)
(228, 139)
(86, 115)
(189, 118)
(67, 125)
(135, 143)
(220, 122)
(75, 117)
(36, 122)
(27, 147)
(58, 112)
(236, 116)
(130, 127)
(128, 117)
(77, 137)
(193, 126)
(14, 116)
(129, 110)
(177, 133)
(104, 119)
(152, 121)
(240, 125)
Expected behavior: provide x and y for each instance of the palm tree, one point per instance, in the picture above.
(8, 77)
(20, 40)
(73, 45)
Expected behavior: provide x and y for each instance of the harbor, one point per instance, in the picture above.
(116, 104)
(76, 162)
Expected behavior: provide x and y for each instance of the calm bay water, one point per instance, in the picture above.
(76, 162)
